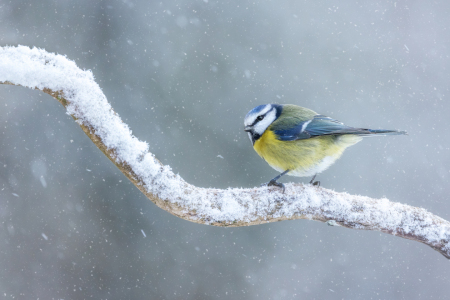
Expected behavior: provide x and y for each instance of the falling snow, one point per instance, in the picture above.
(37, 68)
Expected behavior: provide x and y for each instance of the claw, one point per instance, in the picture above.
(274, 182)
(278, 184)
(315, 183)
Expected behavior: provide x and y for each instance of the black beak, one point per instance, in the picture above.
(248, 129)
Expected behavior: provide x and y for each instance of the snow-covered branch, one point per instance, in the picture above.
(85, 102)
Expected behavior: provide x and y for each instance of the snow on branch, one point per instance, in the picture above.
(83, 99)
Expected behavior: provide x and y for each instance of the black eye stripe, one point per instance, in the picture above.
(259, 118)
(254, 123)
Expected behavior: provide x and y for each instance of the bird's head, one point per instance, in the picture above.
(258, 119)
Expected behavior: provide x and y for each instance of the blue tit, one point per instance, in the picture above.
(299, 142)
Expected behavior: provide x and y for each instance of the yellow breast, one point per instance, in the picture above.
(303, 157)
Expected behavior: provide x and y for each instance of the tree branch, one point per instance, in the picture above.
(83, 99)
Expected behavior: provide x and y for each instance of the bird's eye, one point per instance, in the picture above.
(259, 118)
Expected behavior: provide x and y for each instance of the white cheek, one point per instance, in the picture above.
(262, 125)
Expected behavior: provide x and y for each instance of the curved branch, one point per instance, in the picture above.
(83, 99)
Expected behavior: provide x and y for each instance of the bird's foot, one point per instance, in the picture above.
(278, 184)
(274, 182)
(315, 183)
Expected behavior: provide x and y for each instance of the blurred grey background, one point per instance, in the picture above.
(183, 74)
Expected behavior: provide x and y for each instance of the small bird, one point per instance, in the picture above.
(299, 142)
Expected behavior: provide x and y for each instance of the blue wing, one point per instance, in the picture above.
(323, 125)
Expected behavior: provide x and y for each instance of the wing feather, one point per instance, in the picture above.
(322, 125)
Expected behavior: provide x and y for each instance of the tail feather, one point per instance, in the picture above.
(367, 132)
(386, 132)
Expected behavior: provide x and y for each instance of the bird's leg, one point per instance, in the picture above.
(317, 183)
(274, 182)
